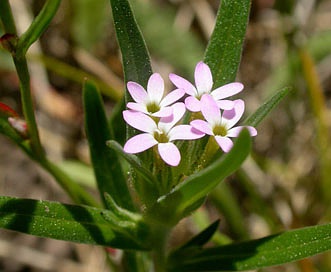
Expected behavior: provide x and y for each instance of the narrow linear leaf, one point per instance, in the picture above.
(269, 251)
(38, 26)
(223, 52)
(203, 237)
(266, 108)
(135, 56)
(107, 168)
(116, 122)
(80, 224)
(188, 194)
(133, 161)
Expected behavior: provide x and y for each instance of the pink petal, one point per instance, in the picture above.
(137, 107)
(234, 132)
(137, 92)
(225, 104)
(210, 110)
(192, 104)
(163, 112)
(184, 132)
(231, 117)
(172, 97)
(203, 126)
(155, 88)
(139, 121)
(182, 83)
(169, 153)
(139, 143)
(166, 123)
(224, 142)
(227, 90)
(203, 78)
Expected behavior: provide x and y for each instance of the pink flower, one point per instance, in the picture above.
(204, 84)
(221, 125)
(152, 101)
(161, 134)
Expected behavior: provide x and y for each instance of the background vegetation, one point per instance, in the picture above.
(286, 182)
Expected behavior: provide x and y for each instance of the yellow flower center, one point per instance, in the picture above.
(152, 107)
(220, 130)
(161, 137)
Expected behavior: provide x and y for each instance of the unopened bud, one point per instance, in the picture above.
(19, 125)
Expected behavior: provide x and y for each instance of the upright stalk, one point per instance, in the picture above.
(18, 47)
(159, 251)
(7, 17)
(24, 78)
(27, 103)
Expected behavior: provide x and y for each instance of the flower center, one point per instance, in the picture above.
(220, 130)
(152, 107)
(160, 136)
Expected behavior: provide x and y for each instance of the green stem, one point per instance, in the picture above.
(23, 72)
(37, 153)
(38, 26)
(159, 252)
(27, 103)
(7, 17)
(210, 150)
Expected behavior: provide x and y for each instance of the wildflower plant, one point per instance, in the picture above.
(174, 154)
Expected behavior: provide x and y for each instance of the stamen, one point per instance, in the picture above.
(220, 130)
(161, 137)
(152, 107)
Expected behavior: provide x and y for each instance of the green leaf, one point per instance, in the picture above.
(266, 108)
(133, 161)
(223, 53)
(147, 188)
(107, 168)
(269, 251)
(135, 56)
(203, 237)
(116, 122)
(80, 224)
(189, 194)
(38, 26)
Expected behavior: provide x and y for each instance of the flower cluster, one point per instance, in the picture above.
(157, 116)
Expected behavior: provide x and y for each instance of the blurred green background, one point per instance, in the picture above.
(285, 184)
